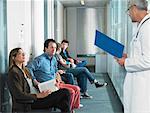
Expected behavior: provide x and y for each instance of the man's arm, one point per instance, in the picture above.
(32, 67)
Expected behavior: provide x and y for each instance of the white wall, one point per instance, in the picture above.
(81, 26)
(37, 27)
(72, 30)
(25, 26)
(50, 21)
(19, 25)
(60, 22)
(88, 21)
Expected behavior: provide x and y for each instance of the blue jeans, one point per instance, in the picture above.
(82, 63)
(68, 78)
(82, 74)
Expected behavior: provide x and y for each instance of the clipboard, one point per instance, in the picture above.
(108, 44)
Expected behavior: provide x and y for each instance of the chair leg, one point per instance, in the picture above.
(54, 108)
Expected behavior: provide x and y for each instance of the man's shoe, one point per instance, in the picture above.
(86, 96)
(98, 84)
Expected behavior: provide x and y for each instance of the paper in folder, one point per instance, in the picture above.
(109, 45)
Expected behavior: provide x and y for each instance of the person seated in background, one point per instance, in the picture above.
(65, 54)
(21, 88)
(66, 77)
(81, 73)
(44, 68)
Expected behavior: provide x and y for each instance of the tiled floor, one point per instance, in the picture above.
(104, 99)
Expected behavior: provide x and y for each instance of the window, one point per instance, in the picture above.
(3, 38)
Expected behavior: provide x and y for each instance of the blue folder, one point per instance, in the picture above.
(109, 45)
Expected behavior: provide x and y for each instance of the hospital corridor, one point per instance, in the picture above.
(74, 56)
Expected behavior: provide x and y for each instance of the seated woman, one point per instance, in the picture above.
(20, 85)
(81, 73)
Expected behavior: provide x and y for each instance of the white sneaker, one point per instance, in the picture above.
(81, 105)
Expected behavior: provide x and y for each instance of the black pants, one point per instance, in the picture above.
(59, 99)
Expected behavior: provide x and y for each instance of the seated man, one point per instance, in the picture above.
(81, 73)
(64, 53)
(44, 68)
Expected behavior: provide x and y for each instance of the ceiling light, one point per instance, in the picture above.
(82, 2)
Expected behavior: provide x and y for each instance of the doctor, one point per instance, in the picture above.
(137, 63)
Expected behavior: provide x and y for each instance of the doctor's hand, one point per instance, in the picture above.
(120, 61)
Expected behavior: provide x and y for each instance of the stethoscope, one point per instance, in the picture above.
(135, 39)
(141, 25)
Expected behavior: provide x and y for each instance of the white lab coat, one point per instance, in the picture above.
(137, 81)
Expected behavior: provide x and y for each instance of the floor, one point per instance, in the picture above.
(105, 99)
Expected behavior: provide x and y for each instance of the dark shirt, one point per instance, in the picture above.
(65, 55)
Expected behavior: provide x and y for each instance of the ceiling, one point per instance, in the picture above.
(88, 3)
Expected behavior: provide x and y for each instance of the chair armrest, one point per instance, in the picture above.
(24, 101)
